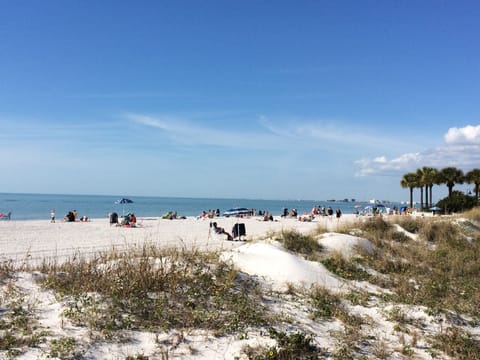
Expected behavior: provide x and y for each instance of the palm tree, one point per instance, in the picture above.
(429, 178)
(409, 180)
(420, 184)
(473, 177)
(451, 176)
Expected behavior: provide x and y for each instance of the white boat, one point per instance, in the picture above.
(238, 212)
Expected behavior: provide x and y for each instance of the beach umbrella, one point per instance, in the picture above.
(434, 209)
(124, 201)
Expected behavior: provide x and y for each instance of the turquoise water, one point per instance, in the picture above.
(37, 206)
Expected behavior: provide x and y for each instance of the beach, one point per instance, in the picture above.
(35, 240)
(383, 328)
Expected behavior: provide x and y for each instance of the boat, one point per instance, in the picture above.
(238, 212)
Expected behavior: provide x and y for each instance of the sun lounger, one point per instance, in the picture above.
(6, 216)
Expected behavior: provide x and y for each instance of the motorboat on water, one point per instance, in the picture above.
(239, 211)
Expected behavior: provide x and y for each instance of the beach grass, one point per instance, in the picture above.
(150, 288)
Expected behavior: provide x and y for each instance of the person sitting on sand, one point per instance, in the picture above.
(133, 220)
(69, 217)
(84, 218)
(268, 217)
(305, 217)
(218, 230)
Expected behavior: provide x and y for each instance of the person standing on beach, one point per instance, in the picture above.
(52, 215)
(330, 212)
(338, 214)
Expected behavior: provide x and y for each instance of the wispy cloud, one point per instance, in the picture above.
(461, 149)
(316, 133)
(268, 133)
(185, 132)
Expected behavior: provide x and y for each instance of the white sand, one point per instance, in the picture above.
(35, 240)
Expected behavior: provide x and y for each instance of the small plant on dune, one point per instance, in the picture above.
(298, 243)
(349, 343)
(345, 268)
(7, 272)
(325, 305)
(473, 214)
(376, 227)
(457, 344)
(410, 224)
(359, 297)
(63, 348)
(139, 357)
(297, 346)
(379, 231)
(438, 231)
(18, 324)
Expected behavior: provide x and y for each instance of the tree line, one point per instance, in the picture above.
(426, 177)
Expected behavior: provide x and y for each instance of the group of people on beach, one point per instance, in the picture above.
(210, 214)
(127, 220)
(71, 216)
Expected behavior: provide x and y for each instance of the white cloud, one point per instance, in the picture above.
(383, 166)
(462, 150)
(466, 135)
(380, 160)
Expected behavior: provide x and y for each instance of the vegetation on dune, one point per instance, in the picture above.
(437, 271)
(296, 242)
(157, 289)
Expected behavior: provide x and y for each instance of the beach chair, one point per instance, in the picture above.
(6, 216)
(212, 234)
(239, 232)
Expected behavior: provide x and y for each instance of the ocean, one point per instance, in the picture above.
(37, 206)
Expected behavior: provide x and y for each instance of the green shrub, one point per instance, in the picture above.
(457, 202)
(438, 231)
(324, 303)
(344, 268)
(292, 346)
(300, 244)
(409, 223)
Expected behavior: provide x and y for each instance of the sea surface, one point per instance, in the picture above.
(38, 206)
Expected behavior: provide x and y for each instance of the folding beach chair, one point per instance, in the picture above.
(239, 232)
(6, 216)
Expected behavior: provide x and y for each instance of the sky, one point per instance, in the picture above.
(236, 99)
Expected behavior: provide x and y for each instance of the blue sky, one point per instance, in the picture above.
(251, 99)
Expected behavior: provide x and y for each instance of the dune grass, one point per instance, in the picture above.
(156, 289)
(440, 271)
(298, 243)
